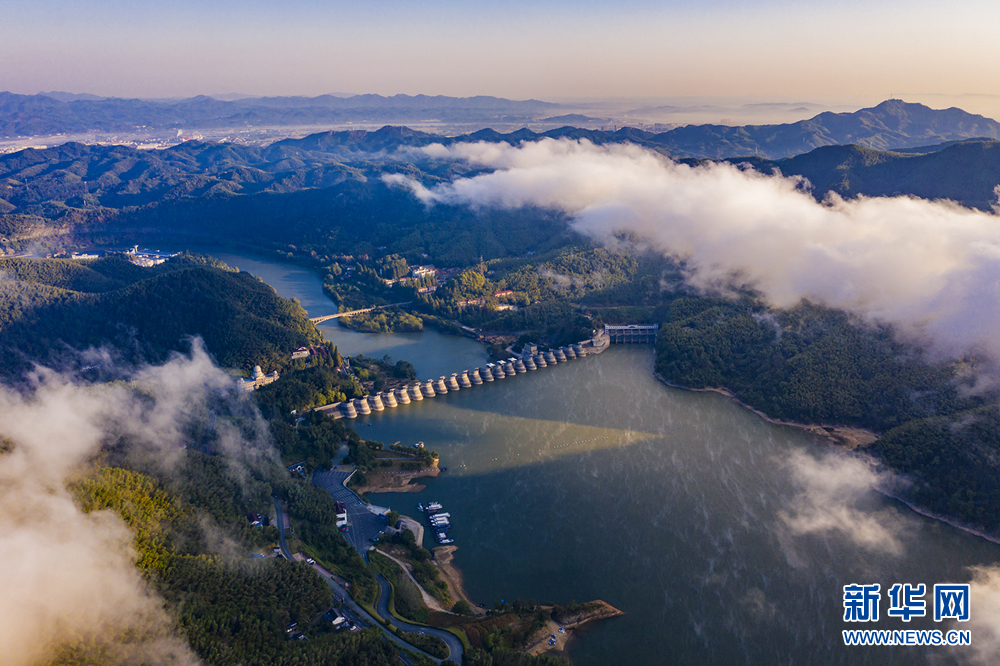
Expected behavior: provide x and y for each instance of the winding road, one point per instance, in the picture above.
(454, 645)
(382, 607)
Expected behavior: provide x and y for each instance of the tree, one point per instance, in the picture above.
(462, 607)
(404, 370)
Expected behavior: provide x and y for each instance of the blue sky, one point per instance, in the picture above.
(846, 50)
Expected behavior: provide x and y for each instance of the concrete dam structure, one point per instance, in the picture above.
(530, 359)
(632, 333)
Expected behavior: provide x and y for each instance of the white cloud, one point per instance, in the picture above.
(932, 269)
(830, 492)
(68, 578)
(984, 615)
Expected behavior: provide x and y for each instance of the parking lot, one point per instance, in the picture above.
(362, 521)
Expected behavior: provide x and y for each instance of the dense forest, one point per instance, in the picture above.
(815, 365)
(232, 609)
(50, 307)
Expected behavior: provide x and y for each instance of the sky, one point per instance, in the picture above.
(853, 52)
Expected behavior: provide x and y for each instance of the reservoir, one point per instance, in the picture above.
(430, 352)
(725, 539)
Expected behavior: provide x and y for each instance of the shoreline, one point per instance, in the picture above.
(564, 630)
(849, 439)
(443, 559)
(846, 437)
(397, 482)
(951, 522)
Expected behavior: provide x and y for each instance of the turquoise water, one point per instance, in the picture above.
(725, 539)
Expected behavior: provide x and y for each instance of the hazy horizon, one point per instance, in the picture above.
(676, 110)
(841, 53)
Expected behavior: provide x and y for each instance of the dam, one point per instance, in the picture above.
(632, 333)
(529, 359)
(690, 499)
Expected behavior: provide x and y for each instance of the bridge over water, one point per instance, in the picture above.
(320, 320)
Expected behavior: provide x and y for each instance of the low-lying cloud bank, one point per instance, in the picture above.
(833, 498)
(932, 269)
(67, 577)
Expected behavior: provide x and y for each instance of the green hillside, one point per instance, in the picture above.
(50, 306)
(966, 172)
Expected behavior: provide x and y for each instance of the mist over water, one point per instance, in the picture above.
(725, 539)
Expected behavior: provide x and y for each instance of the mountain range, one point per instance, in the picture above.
(64, 113)
(76, 181)
(891, 125)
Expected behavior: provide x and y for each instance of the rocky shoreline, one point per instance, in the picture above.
(846, 437)
(396, 481)
(567, 625)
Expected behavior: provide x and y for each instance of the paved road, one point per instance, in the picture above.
(454, 645)
(361, 616)
(363, 523)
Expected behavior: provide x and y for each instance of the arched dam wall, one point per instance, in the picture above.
(466, 379)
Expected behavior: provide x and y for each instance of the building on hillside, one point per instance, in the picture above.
(306, 352)
(257, 380)
(336, 618)
(341, 513)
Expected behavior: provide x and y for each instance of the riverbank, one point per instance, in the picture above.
(845, 437)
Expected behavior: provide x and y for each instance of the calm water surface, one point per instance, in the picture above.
(725, 539)
(431, 353)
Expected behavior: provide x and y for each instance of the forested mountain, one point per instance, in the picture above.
(964, 171)
(89, 183)
(49, 306)
(322, 201)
